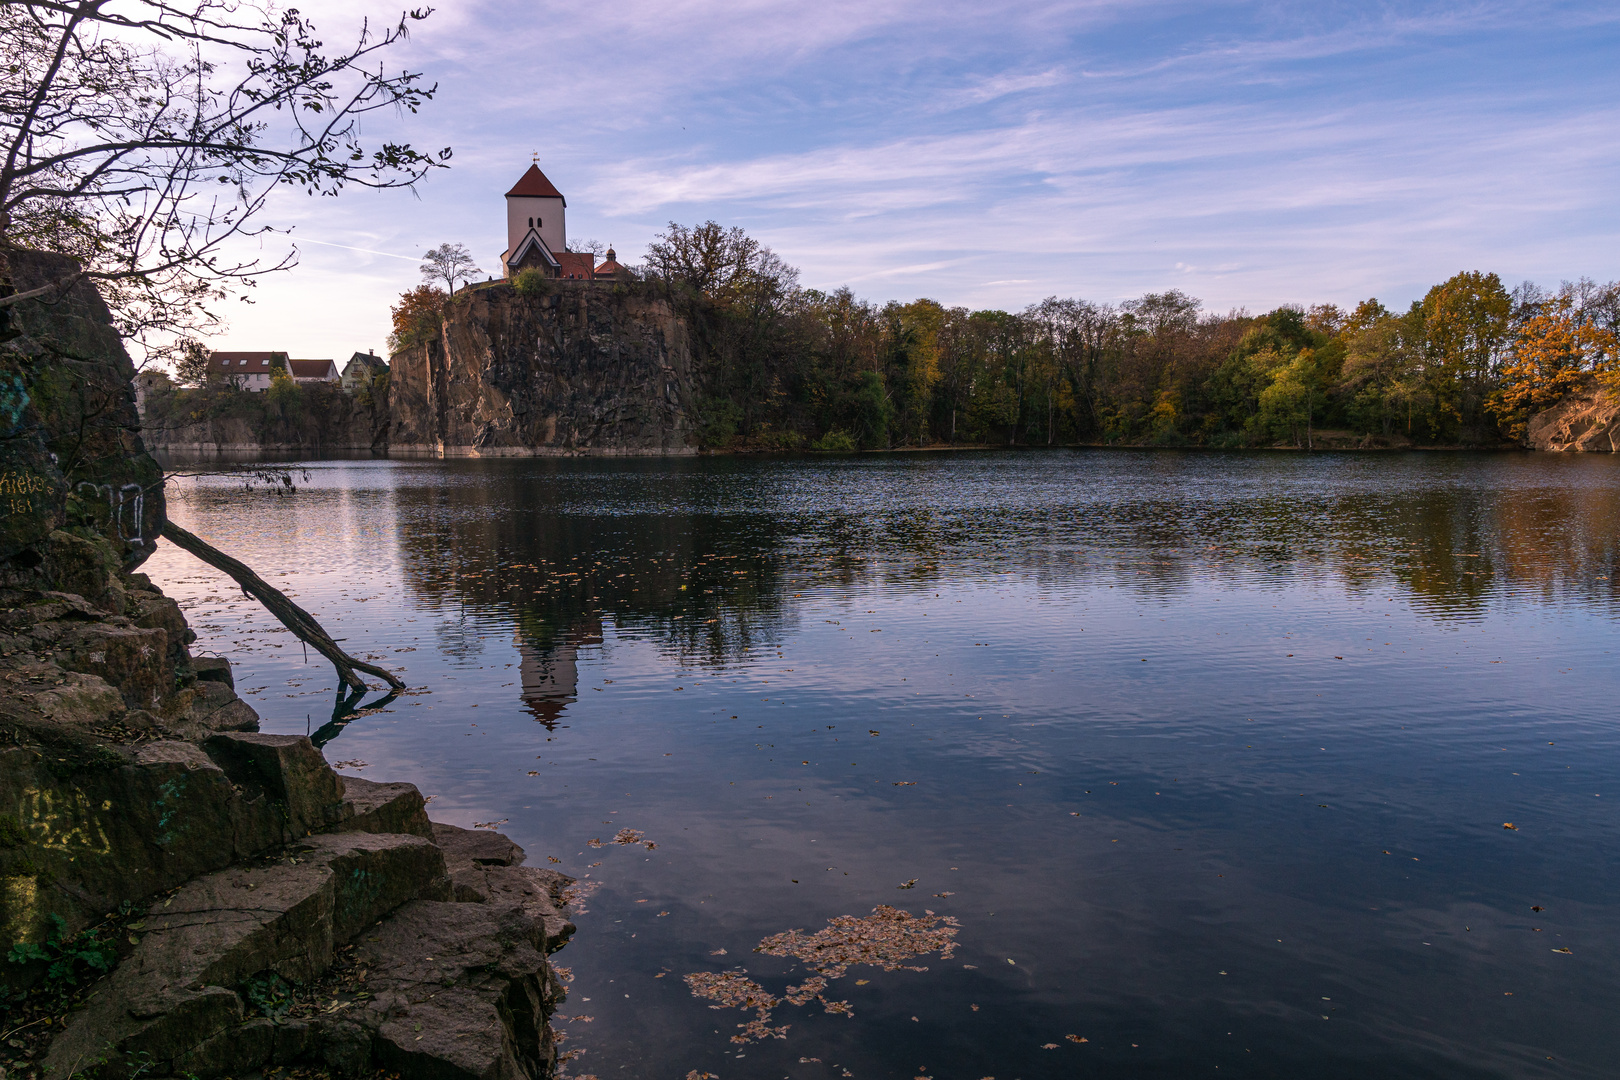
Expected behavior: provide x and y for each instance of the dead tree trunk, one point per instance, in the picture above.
(293, 617)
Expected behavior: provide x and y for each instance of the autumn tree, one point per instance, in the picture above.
(417, 317)
(1556, 347)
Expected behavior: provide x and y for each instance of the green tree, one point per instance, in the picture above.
(1467, 327)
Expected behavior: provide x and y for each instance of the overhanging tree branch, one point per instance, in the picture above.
(143, 141)
(293, 617)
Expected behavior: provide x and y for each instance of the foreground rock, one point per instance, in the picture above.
(428, 989)
(181, 895)
(1587, 420)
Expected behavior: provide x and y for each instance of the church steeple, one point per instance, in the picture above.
(534, 206)
(534, 185)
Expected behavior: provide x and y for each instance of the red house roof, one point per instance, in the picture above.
(534, 185)
(576, 264)
(312, 369)
(242, 363)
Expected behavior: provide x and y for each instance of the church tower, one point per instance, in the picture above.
(535, 226)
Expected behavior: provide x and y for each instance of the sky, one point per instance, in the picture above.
(1249, 154)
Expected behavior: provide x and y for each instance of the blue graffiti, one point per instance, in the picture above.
(13, 400)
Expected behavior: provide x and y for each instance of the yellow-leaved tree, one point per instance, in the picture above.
(1556, 349)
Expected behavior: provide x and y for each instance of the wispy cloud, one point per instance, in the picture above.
(1249, 153)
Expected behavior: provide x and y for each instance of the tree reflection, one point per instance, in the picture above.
(707, 558)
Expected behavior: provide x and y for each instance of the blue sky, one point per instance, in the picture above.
(1250, 154)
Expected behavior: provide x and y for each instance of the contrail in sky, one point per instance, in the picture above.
(346, 247)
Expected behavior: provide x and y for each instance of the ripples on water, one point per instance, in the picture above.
(1209, 755)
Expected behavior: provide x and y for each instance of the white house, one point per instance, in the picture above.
(361, 370)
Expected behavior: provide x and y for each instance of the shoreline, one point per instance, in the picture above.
(246, 453)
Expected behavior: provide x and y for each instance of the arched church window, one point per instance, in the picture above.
(531, 223)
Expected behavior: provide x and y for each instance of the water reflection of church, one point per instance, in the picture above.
(550, 674)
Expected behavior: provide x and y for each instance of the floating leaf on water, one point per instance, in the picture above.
(1076, 1039)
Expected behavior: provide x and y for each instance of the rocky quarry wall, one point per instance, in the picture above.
(1587, 420)
(584, 367)
(323, 419)
(181, 895)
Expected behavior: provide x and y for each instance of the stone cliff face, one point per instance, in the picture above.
(180, 894)
(1587, 420)
(582, 367)
(70, 446)
(323, 419)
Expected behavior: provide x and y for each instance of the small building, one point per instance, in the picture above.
(149, 383)
(313, 371)
(244, 370)
(361, 370)
(537, 235)
(610, 269)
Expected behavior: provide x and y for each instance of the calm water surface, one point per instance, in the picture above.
(1210, 755)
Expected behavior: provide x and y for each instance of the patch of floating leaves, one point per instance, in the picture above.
(624, 836)
(575, 895)
(887, 938)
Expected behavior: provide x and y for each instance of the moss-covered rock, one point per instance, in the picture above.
(70, 444)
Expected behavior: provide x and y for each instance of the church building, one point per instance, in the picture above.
(537, 234)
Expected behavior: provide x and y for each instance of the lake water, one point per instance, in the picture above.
(1210, 756)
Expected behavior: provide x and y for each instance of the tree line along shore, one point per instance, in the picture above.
(784, 367)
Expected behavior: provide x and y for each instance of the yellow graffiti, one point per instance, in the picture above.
(64, 822)
(21, 902)
(18, 490)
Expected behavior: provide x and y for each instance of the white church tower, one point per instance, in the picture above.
(536, 231)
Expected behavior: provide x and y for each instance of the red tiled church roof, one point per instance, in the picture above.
(610, 268)
(534, 185)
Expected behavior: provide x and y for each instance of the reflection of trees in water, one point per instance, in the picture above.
(707, 587)
(712, 584)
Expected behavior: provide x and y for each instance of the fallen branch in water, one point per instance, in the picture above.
(293, 617)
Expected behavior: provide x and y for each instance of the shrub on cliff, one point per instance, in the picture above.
(531, 282)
